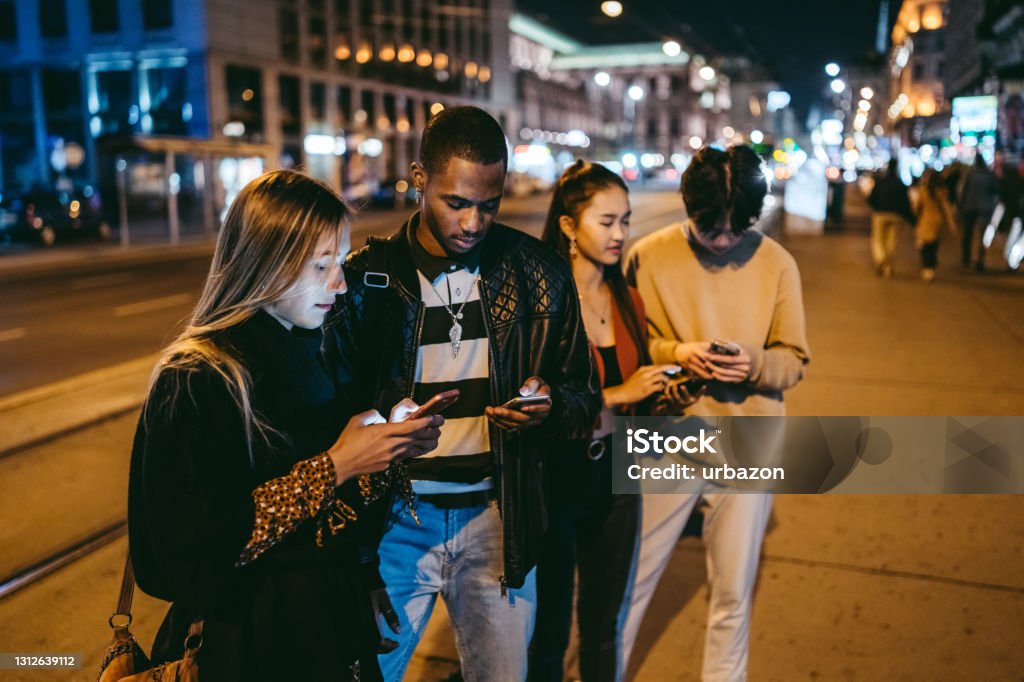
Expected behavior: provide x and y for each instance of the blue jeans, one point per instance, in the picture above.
(458, 554)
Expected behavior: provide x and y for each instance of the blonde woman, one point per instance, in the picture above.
(242, 492)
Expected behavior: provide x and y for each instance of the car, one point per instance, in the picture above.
(46, 216)
(390, 194)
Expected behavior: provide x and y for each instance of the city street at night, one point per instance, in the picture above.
(740, 396)
(851, 587)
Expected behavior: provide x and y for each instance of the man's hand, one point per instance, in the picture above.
(527, 416)
(382, 610)
(731, 369)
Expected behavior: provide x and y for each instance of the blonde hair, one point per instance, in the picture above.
(269, 235)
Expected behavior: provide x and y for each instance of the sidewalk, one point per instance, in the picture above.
(851, 587)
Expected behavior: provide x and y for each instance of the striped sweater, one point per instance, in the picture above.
(463, 455)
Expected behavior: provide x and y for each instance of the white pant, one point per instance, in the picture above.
(734, 527)
(885, 227)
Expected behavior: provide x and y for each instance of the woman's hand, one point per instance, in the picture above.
(693, 357)
(676, 398)
(369, 444)
(644, 382)
(401, 411)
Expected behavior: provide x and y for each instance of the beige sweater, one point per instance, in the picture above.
(750, 295)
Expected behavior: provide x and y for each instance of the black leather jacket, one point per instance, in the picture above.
(534, 329)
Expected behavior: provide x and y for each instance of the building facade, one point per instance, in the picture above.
(74, 72)
(643, 105)
(1001, 34)
(338, 87)
(919, 109)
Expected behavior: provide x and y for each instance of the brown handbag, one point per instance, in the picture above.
(125, 660)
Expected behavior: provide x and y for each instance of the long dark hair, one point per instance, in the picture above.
(577, 186)
(932, 181)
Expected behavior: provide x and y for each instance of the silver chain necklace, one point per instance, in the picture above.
(455, 333)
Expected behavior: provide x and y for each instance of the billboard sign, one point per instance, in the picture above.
(975, 116)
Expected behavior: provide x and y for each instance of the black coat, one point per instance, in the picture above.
(890, 195)
(297, 611)
(534, 328)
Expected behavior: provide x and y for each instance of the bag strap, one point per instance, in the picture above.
(124, 600)
(194, 638)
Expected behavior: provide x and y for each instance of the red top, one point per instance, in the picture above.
(625, 350)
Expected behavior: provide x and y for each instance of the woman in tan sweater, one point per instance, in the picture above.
(934, 215)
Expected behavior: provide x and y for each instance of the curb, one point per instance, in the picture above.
(28, 266)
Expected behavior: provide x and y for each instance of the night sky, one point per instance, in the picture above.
(796, 37)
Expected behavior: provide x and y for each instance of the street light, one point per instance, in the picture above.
(707, 73)
(832, 69)
(602, 79)
(756, 136)
(867, 93)
(838, 85)
(611, 8)
(636, 93)
(671, 48)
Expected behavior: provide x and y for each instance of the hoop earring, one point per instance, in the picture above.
(573, 250)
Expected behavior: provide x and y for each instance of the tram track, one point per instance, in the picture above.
(64, 556)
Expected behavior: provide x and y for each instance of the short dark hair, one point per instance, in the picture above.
(465, 132)
(717, 184)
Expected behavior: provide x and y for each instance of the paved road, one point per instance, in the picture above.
(68, 321)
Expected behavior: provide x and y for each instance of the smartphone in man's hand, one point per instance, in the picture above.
(521, 401)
